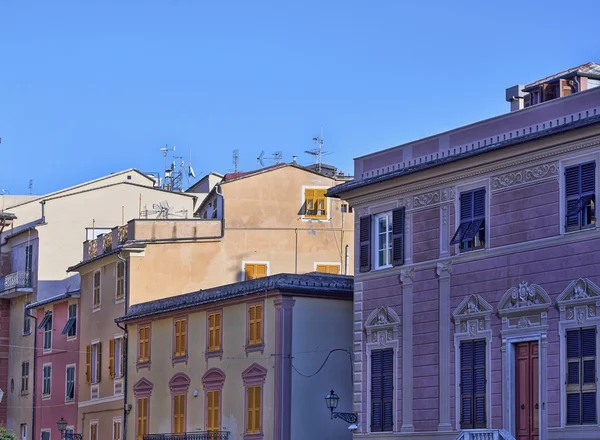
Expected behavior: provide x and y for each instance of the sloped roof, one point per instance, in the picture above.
(588, 69)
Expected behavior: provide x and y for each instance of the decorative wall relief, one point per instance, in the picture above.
(525, 175)
(433, 197)
(473, 313)
(382, 325)
(524, 307)
(579, 300)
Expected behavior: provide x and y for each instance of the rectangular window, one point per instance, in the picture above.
(118, 357)
(253, 417)
(255, 324)
(70, 385)
(254, 271)
(46, 324)
(383, 240)
(96, 302)
(142, 417)
(23, 431)
(144, 343)
(315, 203)
(214, 331)
(180, 337)
(333, 269)
(581, 376)
(213, 410)
(47, 381)
(580, 192)
(472, 384)
(29, 260)
(45, 435)
(382, 390)
(24, 377)
(471, 230)
(26, 319)
(117, 429)
(95, 362)
(94, 431)
(388, 237)
(120, 294)
(71, 326)
(178, 413)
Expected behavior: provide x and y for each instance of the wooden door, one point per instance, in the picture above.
(526, 391)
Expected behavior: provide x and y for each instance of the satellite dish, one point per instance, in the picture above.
(260, 158)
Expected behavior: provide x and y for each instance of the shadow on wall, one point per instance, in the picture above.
(49, 288)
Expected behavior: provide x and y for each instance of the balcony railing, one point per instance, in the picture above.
(485, 434)
(198, 435)
(15, 281)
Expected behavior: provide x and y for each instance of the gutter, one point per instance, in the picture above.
(33, 393)
(126, 342)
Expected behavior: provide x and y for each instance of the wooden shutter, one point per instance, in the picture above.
(581, 376)
(580, 188)
(466, 384)
(250, 410)
(382, 390)
(258, 327)
(473, 384)
(365, 244)
(111, 358)
(398, 225)
(479, 383)
(99, 362)
(88, 364)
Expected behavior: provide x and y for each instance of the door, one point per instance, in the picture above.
(526, 391)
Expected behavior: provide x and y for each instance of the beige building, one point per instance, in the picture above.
(43, 240)
(228, 360)
(275, 220)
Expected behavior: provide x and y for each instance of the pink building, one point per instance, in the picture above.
(56, 359)
(476, 298)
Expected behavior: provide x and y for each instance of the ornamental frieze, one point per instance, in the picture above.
(525, 175)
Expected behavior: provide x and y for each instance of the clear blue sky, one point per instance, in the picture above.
(89, 88)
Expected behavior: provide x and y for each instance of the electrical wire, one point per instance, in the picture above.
(324, 362)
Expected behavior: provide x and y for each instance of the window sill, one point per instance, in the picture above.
(254, 348)
(96, 309)
(47, 350)
(47, 397)
(214, 354)
(315, 219)
(69, 402)
(24, 393)
(71, 338)
(143, 364)
(179, 359)
(467, 251)
(26, 333)
(389, 266)
(254, 436)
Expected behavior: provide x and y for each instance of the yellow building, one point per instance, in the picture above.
(227, 360)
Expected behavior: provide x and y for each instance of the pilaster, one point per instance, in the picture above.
(444, 271)
(406, 279)
(444, 231)
(283, 367)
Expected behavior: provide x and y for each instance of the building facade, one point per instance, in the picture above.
(229, 359)
(56, 325)
(476, 295)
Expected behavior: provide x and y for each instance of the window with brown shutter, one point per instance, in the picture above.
(214, 331)
(315, 203)
(398, 225)
(472, 384)
(255, 317)
(365, 244)
(382, 390)
(253, 271)
(142, 417)
(88, 364)
(120, 294)
(96, 296)
(98, 362)
(580, 193)
(333, 269)
(581, 377)
(471, 229)
(111, 358)
(180, 337)
(144, 343)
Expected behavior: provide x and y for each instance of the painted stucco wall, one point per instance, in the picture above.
(320, 325)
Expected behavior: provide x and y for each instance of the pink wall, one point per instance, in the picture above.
(4, 346)
(426, 235)
(63, 353)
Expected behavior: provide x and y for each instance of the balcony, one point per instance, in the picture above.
(15, 283)
(484, 434)
(198, 435)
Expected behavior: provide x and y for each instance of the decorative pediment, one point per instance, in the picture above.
(179, 382)
(524, 299)
(473, 306)
(382, 325)
(578, 292)
(143, 387)
(213, 377)
(254, 374)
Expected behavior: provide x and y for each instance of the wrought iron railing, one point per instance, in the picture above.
(198, 435)
(15, 280)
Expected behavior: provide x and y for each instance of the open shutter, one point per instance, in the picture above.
(88, 364)
(572, 195)
(99, 362)
(466, 385)
(376, 391)
(479, 383)
(388, 390)
(123, 360)
(111, 358)
(398, 225)
(365, 244)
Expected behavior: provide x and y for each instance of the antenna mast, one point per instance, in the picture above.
(30, 186)
(318, 152)
(236, 159)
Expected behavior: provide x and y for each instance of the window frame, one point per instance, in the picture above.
(571, 162)
(326, 204)
(581, 385)
(26, 319)
(145, 401)
(45, 431)
(213, 380)
(67, 368)
(23, 428)
(71, 324)
(265, 263)
(254, 376)
(214, 352)
(180, 356)
(389, 238)
(471, 187)
(119, 280)
(142, 390)
(255, 345)
(119, 421)
(94, 423)
(474, 424)
(47, 331)
(218, 408)
(144, 362)
(119, 367)
(96, 364)
(47, 395)
(96, 306)
(393, 378)
(25, 378)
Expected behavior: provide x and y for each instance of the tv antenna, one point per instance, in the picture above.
(162, 210)
(236, 159)
(318, 152)
(30, 186)
(277, 157)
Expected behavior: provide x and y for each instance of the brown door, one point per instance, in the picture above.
(526, 391)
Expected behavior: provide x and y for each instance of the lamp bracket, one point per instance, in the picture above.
(346, 417)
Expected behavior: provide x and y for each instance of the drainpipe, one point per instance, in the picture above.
(346, 259)
(126, 342)
(296, 254)
(43, 203)
(33, 393)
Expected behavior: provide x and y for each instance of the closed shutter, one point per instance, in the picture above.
(111, 358)
(382, 390)
(398, 225)
(99, 362)
(581, 376)
(472, 384)
(365, 244)
(88, 364)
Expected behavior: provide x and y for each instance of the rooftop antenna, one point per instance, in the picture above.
(236, 159)
(30, 186)
(277, 157)
(190, 172)
(318, 152)
(168, 171)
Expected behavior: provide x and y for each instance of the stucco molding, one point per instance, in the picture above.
(524, 307)
(382, 325)
(179, 383)
(407, 276)
(580, 292)
(143, 388)
(444, 269)
(214, 378)
(254, 375)
(472, 314)
(525, 176)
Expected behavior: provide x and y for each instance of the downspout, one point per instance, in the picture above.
(126, 342)
(34, 372)
(296, 253)
(43, 203)
(347, 258)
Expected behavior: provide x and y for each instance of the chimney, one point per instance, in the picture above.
(516, 96)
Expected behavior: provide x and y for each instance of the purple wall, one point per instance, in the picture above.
(426, 235)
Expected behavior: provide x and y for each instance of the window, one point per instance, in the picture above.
(23, 431)
(117, 429)
(255, 324)
(178, 413)
(120, 294)
(389, 240)
(71, 326)
(142, 417)
(213, 409)
(94, 431)
(24, 377)
(180, 337)
(28, 260)
(96, 303)
(144, 344)
(26, 319)
(45, 435)
(70, 384)
(581, 376)
(580, 192)
(93, 362)
(46, 324)
(472, 384)
(214, 331)
(315, 203)
(115, 358)
(329, 268)
(382, 390)
(471, 230)
(47, 381)
(253, 417)
(254, 271)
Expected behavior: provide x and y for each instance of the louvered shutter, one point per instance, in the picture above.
(365, 244)
(588, 395)
(376, 391)
(123, 360)
(99, 362)
(388, 390)
(88, 364)
(573, 369)
(466, 385)
(398, 223)
(572, 198)
(479, 383)
(111, 358)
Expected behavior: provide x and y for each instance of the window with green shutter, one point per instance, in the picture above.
(472, 384)
(382, 390)
(580, 193)
(581, 376)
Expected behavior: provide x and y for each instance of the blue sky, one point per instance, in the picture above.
(89, 88)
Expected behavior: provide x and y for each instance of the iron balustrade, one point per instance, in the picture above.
(198, 435)
(15, 280)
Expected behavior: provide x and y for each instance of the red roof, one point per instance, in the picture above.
(232, 176)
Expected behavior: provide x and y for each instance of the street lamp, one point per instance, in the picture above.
(332, 400)
(62, 427)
